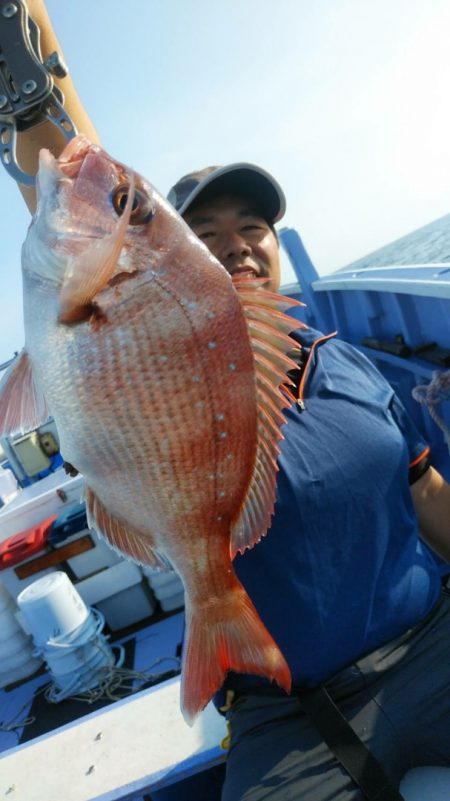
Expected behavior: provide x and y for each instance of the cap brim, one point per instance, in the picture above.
(241, 179)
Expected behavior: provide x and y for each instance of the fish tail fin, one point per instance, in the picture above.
(234, 638)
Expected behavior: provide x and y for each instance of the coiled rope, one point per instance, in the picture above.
(115, 684)
(433, 394)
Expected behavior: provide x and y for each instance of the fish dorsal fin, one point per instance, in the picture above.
(268, 327)
(122, 536)
(22, 403)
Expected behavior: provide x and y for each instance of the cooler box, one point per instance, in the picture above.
(70, 521)
(119, 593)
(167, 588)
(21, 547)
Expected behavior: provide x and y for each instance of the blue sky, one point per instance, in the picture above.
(346, 102)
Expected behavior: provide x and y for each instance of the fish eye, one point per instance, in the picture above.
(141, 210)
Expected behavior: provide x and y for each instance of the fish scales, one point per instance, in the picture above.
(139, 340)
(163, 407)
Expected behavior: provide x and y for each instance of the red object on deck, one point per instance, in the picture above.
(22, 546)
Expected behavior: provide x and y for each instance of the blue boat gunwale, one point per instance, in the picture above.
(406, 303)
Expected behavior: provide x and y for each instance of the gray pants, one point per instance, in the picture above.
(397, 699)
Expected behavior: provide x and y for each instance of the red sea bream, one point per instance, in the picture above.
(163, 376)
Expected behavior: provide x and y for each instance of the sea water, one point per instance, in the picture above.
(429, 244)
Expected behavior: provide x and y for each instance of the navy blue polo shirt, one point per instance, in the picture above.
(341, 570)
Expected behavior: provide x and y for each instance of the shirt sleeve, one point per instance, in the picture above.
(419, 450)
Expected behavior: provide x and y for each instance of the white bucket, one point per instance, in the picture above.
(85, 648)
(68, 635)
(80, 662)
(52, 607)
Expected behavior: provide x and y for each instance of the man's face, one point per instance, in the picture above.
(238, 236)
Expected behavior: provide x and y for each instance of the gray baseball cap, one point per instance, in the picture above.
(240, 179)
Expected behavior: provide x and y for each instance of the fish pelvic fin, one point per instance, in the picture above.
(121, 536)
(22, 403)
(89, 273)
(232, 638)
(269, 329)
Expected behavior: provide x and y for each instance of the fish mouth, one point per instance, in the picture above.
(74, 155)
(83, 167)
(91, 170)
(78, 185)
(77, 222)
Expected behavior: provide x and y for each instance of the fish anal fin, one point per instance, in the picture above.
(268, 328)
(233, 639)
(121, 536)
(22, 403)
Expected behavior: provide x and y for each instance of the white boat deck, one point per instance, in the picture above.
(121, 751)
(135, 746)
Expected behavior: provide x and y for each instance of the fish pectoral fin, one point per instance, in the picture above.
(90, 272)
(122, 536)
(22, 403)
(268, 328)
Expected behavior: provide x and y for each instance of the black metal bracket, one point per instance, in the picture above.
(428, 351)
(397, 346)
(434, 353)
(28, 95)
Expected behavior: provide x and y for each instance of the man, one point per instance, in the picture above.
(276, 751)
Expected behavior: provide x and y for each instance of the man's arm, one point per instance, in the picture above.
(431, 497)
(30, 142)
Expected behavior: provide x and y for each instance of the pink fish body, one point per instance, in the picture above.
(163, 376)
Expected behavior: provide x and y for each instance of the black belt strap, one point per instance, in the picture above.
(345, 744)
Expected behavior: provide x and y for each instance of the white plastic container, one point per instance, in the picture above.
(174, 587)
(13, 644)
(6, 600)
(159, 578)
(52, 608)
(427, 783)
(175, 601)
(20, 672)
(8, 624)
(17, 658)
(167, 588)
(120, 594)
(98, 558)
(67, 634)
(9, 487)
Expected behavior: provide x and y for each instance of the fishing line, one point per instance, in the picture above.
(118, 683)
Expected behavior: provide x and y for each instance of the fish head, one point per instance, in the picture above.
(96, 219)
